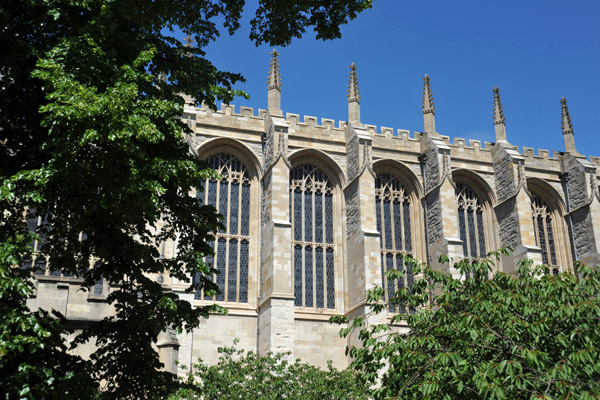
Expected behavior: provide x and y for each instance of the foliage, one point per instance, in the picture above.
(248, 376)
(31, 345)
(92, 141)
(531, 335)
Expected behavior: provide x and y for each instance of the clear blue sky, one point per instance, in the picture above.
(535, 51)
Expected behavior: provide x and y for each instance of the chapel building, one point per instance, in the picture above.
(314, 214)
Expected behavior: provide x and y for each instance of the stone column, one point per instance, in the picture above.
(513, 210)
(362, 238)
(168, 350)
(441, 208)
(276, 302)
(583, 207)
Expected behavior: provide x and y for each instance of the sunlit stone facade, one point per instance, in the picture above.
(315, 213)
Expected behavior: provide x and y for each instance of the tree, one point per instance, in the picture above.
(248, 376)
(92, 143)
(531, 335)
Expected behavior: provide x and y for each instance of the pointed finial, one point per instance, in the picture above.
(428, 104)
(567, 126)
(274, 86)
(188, 41)
(428, 107)
(499, 120)
(353, 92)
(274, 81)
(353, 98)
(498, 111)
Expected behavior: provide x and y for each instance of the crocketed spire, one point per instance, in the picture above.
(274, 81)
(428, 107)
(353, 92)
(428, 104)
(274, 86)
(499, 120)
(567, 127)
(353, 98)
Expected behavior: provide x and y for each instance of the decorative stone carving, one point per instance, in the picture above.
(352, 210)
(505, 183)
(434, 217)
(582, 226)
(266, 199)
(353, 158)
(268, 147)
(508, 225)
(432, 171)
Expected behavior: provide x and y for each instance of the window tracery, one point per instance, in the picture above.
(471, 221)
(231, 197)
(311, 211)
(392, 212)
(542, 226)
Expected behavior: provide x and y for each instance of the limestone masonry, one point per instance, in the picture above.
(315, 213)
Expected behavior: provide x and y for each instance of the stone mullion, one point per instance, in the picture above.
(314, 249)
(477, 230)
(401, 211)
(548, 246)
(227, 239)
(239, 247)
(467, 243)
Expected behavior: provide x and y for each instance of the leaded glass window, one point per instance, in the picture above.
(470, 221)
(542, 226)
(392, 212)
(37, 260)
(230, 195)
(311, 211)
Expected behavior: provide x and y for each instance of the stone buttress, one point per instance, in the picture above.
(441, 207)
(276, 298)
(582, 197)
(513, 211)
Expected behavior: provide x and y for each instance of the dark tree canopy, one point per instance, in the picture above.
(91, 141)
(532, 335)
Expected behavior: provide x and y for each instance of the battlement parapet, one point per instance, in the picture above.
(473, 145)
(312, 122)
(542, 154)
(229, 110)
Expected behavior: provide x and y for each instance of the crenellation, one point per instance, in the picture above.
(327, 123)
(310, 121)
(388, 132)
(247, 112)
(344, 168)
(371, 129)
(460, 143)
(527, 152)
(475, 144)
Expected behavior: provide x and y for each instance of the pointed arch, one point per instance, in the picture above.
(316, 207)
(234, 147)
(548, 218)
(322, 160)
(235, 196)
(398, 213)
(477, 223)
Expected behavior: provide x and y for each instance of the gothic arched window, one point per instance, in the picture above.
(311, 211)
(393, 210)
(470, 221)
(542, 225)
(231, 197)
